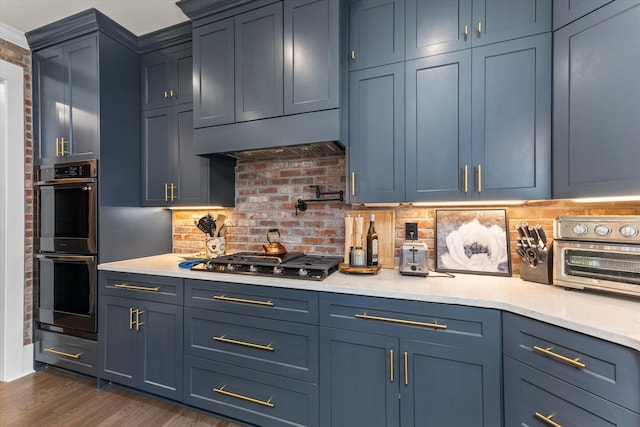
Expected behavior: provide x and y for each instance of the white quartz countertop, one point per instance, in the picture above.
(612, 318)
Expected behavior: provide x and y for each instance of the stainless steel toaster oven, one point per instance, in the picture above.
(599, 253)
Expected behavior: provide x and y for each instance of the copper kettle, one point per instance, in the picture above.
(274, 247)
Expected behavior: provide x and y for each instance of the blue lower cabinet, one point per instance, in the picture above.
(534, 398)
(251, 396)
(141, 345)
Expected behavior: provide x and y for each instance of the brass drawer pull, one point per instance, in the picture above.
(365, 316)
(406, 368)
(244, 343)
(138, 322)
(573, 362)
(62, 353)
(135, 288)
(221, 390)
(547, 420)
(130, 317)
(391, 366)
(242, 300)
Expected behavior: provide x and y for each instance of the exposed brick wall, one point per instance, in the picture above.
(22, 57)
(266, 194)
(267, 191)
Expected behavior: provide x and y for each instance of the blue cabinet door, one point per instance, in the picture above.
(511, 119)
(49, 98)
(66, 101)
(259, 63)
(376, 134)
(213, 74)
(167, 77)
(595, 104)
(117, 341)
(566, 11)
(499, 20)
(191, 172)
(449, 386)
(159, 348)
(434, 27)
(376, 32)
(311, 55)
(360, 376)
(438, 127)
(157, 156)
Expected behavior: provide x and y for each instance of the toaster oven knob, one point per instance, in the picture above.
(629, 230)
(602, 230)
(580, 229)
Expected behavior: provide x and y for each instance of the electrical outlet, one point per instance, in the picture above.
(411, 231)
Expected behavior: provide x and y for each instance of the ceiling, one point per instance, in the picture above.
(138, 16)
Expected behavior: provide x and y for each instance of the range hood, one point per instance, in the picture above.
(314, 132)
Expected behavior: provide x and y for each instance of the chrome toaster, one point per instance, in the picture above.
(413, 258)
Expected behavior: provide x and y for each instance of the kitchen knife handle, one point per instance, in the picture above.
(543, 235)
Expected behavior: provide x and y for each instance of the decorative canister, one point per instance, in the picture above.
(215, 246)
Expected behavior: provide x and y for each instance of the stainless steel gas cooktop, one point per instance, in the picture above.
(292, 265)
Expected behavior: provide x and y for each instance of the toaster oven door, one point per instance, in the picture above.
(607, 267)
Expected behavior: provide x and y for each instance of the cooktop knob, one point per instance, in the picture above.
(629, 230)
(254, 268)
(303, 273)
(231, 267)
(602, 230)
(580, 229)
(278, 271)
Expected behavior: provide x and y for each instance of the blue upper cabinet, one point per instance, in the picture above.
(434, 27)
(166, 77)
(66, 91)
(311, 65)
(596, 104)
(566, 11)
(376, 134)
(213, 74)
(259, 63)
(376, 33)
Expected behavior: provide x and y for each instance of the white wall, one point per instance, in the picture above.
(16, 359)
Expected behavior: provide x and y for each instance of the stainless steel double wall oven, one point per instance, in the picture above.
(66, 248)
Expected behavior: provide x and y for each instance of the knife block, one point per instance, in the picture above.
(542, 272)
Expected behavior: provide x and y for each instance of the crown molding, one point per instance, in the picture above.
(12, 35)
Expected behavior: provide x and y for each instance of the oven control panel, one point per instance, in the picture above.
(614, 229)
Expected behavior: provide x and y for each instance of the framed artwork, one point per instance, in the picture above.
(473, 241)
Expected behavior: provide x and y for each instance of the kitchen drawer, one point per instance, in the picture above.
(65, 351)
(455, 325)
(274, 346)
(262, 301)
(142, 286)
(528, 392)
(611, 371)
(254, 397)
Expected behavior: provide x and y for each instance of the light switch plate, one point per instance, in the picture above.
(411, 231)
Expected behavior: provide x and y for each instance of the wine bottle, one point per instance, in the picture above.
(372, 242)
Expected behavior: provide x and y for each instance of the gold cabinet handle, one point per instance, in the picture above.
(390, 365)
(353, 55)
(62, 149)
(547, 420)
(479, 178)
(221, 390)
(466, 30)
(138, 322)
(166, 192)
(406, 368)
(130, 318)
(466, 178)
(479, 27)
(135, 288)
(353, 183)
(172, 94)
(573, 362)
(244, 343)
(62, 353)
(365, 316)
(57, 147)
(242, 300)
(166, 94)
(173, 187)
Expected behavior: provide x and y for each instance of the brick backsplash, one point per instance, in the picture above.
(267, 191)
(22, 57)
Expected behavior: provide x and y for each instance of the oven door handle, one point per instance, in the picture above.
(65, 181)
(66, 257)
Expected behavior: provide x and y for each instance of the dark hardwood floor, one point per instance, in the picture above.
(55, 398)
